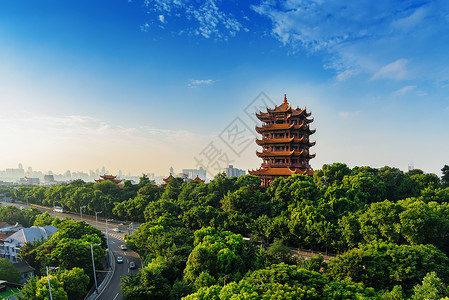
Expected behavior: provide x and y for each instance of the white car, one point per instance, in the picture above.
(123, 247)
(116, 230)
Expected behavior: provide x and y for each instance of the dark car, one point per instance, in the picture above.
(132, 265)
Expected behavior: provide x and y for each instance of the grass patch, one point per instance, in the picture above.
(9, 291)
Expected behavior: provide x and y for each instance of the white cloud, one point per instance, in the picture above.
(353, 37)
(364, 35)
(347, 114)
(204, 18)
(346, 75)
(394, 70)
(145, 27)
(194, 83)
(410, 21)
(404, 90)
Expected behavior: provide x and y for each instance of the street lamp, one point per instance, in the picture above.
(93, 265)
(96, 220)
(48, 278)
(107, 241)
(81, 212)
(27, 201)
(54, 211)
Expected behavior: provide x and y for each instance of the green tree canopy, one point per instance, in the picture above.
(383, 265)
(431, 288)
(8, 272)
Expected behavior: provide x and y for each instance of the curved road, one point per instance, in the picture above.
(112, 290)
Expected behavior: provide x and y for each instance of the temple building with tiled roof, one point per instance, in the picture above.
(167, 180)
(285, 142)
(198, 179)
(111, 178)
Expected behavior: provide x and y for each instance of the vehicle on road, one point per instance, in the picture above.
(58, 209)
(123, 247)
(132, 265)
(116, 230)
(119, 260)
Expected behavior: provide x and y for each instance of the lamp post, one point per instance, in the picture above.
(96, 220)
(107, 241)
(28, 205)
(81, 212)
(54, 211)
(48, 278)
(93, 265)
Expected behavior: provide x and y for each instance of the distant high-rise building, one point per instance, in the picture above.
(231, 171)
(172, 172)
(192, 173)
(15, 173)
(29, 181)
(49, 178)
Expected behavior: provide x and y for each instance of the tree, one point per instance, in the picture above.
(12, 214)
(245, 201)
(75, 283)
(278, 253)
(281, 281)
(392, 177)
(262, 228)
(149, 283)
(43, 220)
(445, 177)
(37, 289)
(217, 254)
(365, 187)
(383, 265)
(8, 272)
(381, 221)
(432, 288)
(331, 174)
(421, 224)
(350, 230)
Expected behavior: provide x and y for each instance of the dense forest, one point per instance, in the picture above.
(228, 238)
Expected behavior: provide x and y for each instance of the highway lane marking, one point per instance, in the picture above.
(115, 296)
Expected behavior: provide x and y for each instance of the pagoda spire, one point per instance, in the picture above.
(285, 98)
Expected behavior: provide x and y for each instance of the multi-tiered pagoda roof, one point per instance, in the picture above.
(285, 142)
(111, 178)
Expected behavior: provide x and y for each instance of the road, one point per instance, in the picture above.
(112, 289)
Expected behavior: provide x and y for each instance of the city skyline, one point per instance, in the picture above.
(141, 86)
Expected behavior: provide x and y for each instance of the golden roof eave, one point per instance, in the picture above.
(281, 153)
(280, 171)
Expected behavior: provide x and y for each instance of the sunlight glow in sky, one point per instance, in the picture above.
(143, 85)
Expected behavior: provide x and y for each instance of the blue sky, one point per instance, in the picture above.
(140, 86)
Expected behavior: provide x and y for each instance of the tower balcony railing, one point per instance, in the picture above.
(275, 165)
